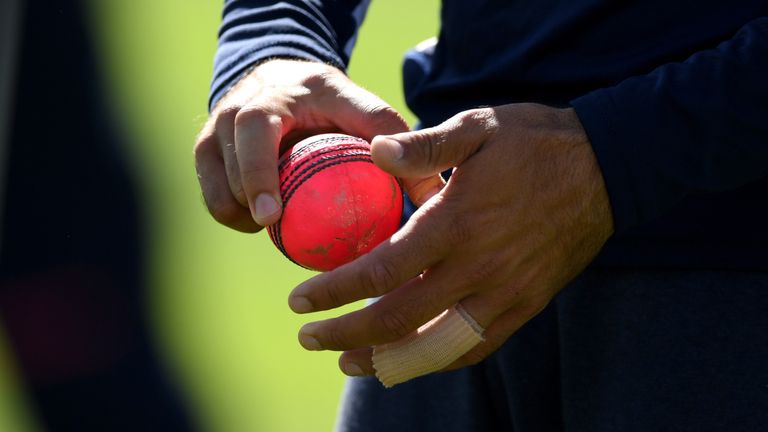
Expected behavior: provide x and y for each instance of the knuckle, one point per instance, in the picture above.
(257, 170)
(256, 177)
(204, 145)
(429, 149)
(383, 111)
(393, 324)
(459, 230)
(317, 80)
(225, 117)
(466, 119)
(249, 114)
(378, 279)
(482, 119)
(386, 119)
(483, 271)
(336, 338)
(323, 79)
(333, 295)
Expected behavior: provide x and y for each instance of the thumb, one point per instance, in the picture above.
(419, 156)
(430, 151)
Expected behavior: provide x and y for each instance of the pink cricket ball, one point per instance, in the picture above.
(337, 205)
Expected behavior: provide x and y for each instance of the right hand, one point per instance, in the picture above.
(271, 108)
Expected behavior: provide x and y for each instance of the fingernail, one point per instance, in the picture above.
(264, 207)
(300, 304)
(392, 149)
(352, 369)
(309, 342)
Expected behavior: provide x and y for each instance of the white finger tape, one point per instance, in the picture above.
(431, 348)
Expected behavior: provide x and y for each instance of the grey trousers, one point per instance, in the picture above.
(616, 350)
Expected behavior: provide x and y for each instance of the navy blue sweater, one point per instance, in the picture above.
(674, 99)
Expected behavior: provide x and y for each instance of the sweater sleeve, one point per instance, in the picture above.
(692, 127)
(255, 30)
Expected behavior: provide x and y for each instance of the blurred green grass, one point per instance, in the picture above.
(218, 298)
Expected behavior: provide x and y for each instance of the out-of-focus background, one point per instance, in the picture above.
(218, 297)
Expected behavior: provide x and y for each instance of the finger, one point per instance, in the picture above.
(361, 113)
(390, 318)
(434, 346)
(357, 362)
(497, 333)
(420, 190)
(216, 192)
(415, 247)
(418, 301)
(225, 135)
(257, 141)
(426, 152)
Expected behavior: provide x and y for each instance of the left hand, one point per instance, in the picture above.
(525, 211)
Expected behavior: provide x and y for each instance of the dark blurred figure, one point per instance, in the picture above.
(71, 265)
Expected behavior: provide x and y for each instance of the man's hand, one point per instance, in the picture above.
(524, 212)
(277, 104)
